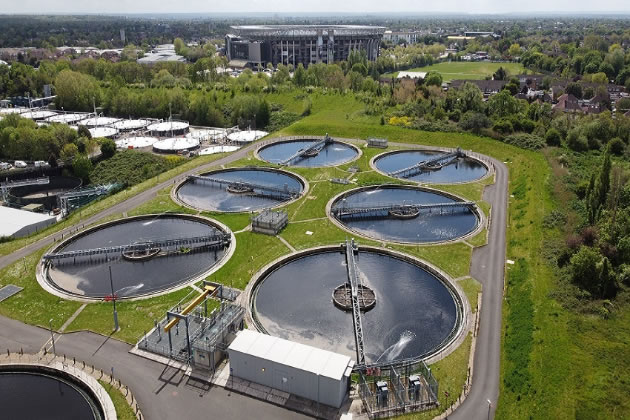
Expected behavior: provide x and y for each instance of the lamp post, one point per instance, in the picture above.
(52, 337)
(111, 283)
(489, 408)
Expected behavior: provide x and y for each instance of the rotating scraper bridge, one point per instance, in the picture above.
(207, 242)
(397, 210)
(432, 164)
(249, 187)
(310, 151)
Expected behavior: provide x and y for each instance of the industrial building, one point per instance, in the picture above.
(318, 375)
(17, 223)
(254, 45)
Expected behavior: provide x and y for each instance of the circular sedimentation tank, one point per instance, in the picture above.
(98, 121)
(37, 392)
(415, 311)
(458, 170)
(169, 128)
(404, 214)
(68, 118)
(45, 194)
(135, 142)
(130, 125)
(240, 189)
(212, 150)
(38, 115)
(331, 154)
(246, 136)
(136, 274)
(175, 144)
(107, 132)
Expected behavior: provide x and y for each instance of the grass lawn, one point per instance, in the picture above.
(123, 409)
(471, 288)
(477, 70)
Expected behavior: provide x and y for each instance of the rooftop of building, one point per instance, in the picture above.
(301, 30)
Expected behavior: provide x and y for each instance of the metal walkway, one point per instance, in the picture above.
(434, 163)
(385, 210)
(355, 281)
(64, 199)
(6, 186)
(210, 241)
(264, 190)
(318, 146)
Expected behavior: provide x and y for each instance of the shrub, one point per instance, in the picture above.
(525, 141)
(553, 137)
(617, 146)
(130, 167)
(503, 126)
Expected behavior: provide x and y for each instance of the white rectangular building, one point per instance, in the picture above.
(305, 371)
(18, 223)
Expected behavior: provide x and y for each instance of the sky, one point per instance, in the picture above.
(274, 6)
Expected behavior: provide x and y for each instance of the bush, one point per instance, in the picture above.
(525, 141)
(108, 148)
(578, 143)
(503, 126)
(553, 137)
(474, 121)
(617, 146)
(281, 119)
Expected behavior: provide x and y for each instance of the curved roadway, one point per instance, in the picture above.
(149, 379)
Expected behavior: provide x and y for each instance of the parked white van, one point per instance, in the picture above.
(20, 164)
(40, 163)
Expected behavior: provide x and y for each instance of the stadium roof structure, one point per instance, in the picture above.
(305, 30)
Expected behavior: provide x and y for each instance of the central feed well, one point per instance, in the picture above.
(417, 311)
(161, 267)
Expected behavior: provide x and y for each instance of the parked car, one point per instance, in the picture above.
(40, 163)
(4, 166)
(20, 164)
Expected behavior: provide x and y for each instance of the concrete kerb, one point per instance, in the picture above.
(41, 270)
(75, 371)
(288, 139)
(462, 304)
(305, 188)
(477, 211)
(469, 153)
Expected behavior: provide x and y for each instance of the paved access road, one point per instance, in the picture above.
(163, 393)
(176, 399)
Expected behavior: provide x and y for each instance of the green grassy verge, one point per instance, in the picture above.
(123, 409)
(471, 288)
(476, 70)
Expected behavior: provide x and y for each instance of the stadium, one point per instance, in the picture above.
(293, 44)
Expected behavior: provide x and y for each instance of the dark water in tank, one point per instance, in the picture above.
(427, 227)
(462, 170)
(414, 312)
(207, 196)
(39, 396)
(132, 278)
(335, 153)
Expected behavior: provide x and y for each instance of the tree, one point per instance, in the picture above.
(600, 78)
(553, 137)
(617, 146)
(433, 78)
(76, 91)
(82, 166)
(69, 151)
(83, 131)
(607, 283)
(584, 270)
(514, 51)
(474, 121)
(574, 89)
(503, 104)
(500, 74)
(108, 148)
(129, 53)
(263, 114)
(299, 77)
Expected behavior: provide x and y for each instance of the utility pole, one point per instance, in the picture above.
(52, 337)
(111, 283)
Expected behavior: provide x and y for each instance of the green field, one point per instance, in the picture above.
(477, 70)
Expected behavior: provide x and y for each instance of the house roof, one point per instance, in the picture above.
(14, 220)
(292, 354)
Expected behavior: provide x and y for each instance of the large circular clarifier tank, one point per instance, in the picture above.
(433, 224)
(202, 193)
(34, 393)
(163, 267)
(415, 315)
(464, 169)
(332, 154)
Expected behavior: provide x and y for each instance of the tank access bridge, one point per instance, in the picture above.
(433, 164)
(242, 187)
(398, 210)
(312, 150)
